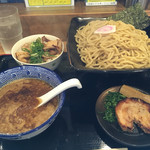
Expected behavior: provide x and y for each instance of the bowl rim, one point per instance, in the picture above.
(28, 37)
(53, 116)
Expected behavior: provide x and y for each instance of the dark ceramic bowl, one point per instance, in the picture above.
(135, 139)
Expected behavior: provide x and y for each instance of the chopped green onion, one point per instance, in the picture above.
(36, 51)
(110, 102)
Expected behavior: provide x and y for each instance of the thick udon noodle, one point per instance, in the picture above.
(127, 48)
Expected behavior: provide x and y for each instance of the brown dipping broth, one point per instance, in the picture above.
(17, 105)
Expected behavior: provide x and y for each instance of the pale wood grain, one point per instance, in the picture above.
(1, 50)
(56, 20)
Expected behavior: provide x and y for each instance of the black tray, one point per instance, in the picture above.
(76, 127)
(73, 55)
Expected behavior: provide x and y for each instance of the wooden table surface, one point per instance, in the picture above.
(56, 20)
(1, 50)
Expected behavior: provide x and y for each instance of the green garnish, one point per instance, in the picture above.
(134, 15)
(36, 51)
(110, 102)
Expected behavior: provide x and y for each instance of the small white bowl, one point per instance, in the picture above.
(52, 64)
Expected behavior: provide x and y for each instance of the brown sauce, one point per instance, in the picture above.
(17, 105)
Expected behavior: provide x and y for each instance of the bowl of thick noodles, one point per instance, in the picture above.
(19, 117)
(104, 45)
(40, 49)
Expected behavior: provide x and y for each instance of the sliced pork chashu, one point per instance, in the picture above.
(133, 110)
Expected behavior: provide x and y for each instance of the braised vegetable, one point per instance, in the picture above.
(110, 102)
(129, 91)
(134, 15)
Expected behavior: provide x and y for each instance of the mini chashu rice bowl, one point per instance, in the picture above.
(50, 64)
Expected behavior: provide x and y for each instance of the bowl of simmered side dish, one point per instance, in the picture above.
(40, 49)
(19, 117)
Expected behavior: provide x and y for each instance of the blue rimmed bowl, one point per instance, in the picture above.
(35, 72)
